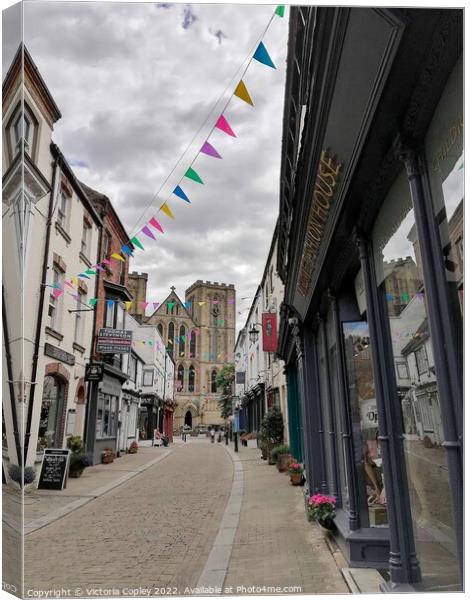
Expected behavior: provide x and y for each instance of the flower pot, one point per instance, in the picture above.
(107, 459)
(296, 478)
(326, 525)
(282, 462)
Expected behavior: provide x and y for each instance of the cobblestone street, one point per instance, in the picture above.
(157, 531)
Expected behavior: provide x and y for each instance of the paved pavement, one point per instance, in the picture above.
(199, 516)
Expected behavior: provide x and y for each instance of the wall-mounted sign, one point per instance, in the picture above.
(269, 322)
(59, 354)
(54, 469)
(323, 191)
(94, 372)
(114, 341)
(240, 377)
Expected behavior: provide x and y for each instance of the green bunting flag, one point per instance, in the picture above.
(280, 10)
(137, 243)
(93, 301)
(191, 174)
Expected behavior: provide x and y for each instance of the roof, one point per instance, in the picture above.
(172, 293)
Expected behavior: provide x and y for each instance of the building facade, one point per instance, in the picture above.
(52, 214)
(199, 335)
(369, 243)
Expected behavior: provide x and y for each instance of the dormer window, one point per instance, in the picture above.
(21, 131)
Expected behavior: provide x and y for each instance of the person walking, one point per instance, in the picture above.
(212, 435)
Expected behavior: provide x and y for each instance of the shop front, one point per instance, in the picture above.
(370, 255)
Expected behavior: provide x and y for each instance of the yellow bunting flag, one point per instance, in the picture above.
(74, 280)
(117, 256)
(128, 304)
(201, 303)
(242, 93)
(166, 209)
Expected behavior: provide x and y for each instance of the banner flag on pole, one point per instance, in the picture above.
(242, 93)
(154, 223)
(223, 125)
(191, 174)
(209, 150)
(166, 209)
(117, 256)
(179, 192)
(137, 243)
(262, 56)
(148, 232)
(280, 10)
(128, 304)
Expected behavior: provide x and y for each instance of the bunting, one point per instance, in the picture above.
(148, 232)
(262, 56)
(137, 243)
(117, 256)
(280, 10)
(223, 125)
(191, 174)
(179, 192)
(154, 223)
(209, 150)
(242, 93)
(166, 209)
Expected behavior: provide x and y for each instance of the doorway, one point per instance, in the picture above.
(188, 419)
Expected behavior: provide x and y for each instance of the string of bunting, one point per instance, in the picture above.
(153, 227)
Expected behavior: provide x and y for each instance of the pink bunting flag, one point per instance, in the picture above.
(210, 150)
(148, 232)
(68, 283)
(153, 221)
(57, 293)
(144, 305)
(223, 125)
(231, 301)
(106, 261)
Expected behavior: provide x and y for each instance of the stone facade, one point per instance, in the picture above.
(199, 334)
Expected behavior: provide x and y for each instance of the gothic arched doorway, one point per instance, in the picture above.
(188, 419)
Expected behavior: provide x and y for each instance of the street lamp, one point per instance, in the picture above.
(254, 333)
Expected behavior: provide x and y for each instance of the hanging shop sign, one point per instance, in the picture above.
(269, 322)
(94, 372)
(114, 341)
(54, 469)
(323, 194)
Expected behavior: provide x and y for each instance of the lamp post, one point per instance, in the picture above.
(235, 422)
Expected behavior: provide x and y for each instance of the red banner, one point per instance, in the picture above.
(269, 332)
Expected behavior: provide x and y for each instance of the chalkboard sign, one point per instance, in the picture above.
(54, 469)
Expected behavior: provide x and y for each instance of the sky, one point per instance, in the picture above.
(135, 83)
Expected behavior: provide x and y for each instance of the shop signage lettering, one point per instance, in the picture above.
(54, 469)
(452, 135)
(59, 354)
(94, 372)
(323, 192)
(114, 341)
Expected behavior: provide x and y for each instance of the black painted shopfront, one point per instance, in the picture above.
(371, 255)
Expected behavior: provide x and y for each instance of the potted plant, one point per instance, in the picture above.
(107, 456)
(296, 472)
(78, 461)
(322, 509)
(272, 430)
(133, 448)
(280, 455)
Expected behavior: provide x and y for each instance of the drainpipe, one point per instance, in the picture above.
(42, 293)
(14, 415)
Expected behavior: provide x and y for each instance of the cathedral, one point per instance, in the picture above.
(199, 333)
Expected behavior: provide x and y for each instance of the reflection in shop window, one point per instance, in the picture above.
(397, 258)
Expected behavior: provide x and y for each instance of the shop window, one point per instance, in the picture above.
(52, 410)
(395, 241)
(106, 418)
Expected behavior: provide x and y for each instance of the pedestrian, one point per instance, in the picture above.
(158, 437)
(212, 435)
(226, 436)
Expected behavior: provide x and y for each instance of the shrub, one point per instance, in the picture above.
(75, 444)
(272, 426)
(22, 476)
(277, 450)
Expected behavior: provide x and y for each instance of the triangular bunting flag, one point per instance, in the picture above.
(242, 93)
(83, 276)
(56, 285)
(154, 223)
(170, 304)
(191, 174)
(262, 56)
(117, 256)
(74, 281)
(76, 297)
(90, 272)
(126, 250)
(155, 305)
(201, 303)
(209, 150)
(223, 125)
(93, 301)
(148, 232)
(144, 305)
(128, 304)
(166, 209)
(137, 243)
(99, 267)
(110, 303)
(187, 305)
(280, 10)
(57, 293)
(179, 192)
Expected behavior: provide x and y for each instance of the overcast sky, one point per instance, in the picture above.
(134, 83)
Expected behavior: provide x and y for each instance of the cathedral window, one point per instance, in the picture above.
(192, 379)
(171, 338)
(180, 378)
(182, 340)
(192, 345)
(213, 381)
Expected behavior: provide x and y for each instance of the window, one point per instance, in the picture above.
(421, 360)
(115, 314)
(132, 368)
(21, 131)
(52, 407)
(160, 329)
(180, 378)
(79, 306)
(106, 248)
(191, 379)
(171, 338)
(106, 418)
(182, 343)
(213, 381)
(63, 209)
(192, 344)
(86, 237)
(402, 371)
(54, 312)
(147, 378)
